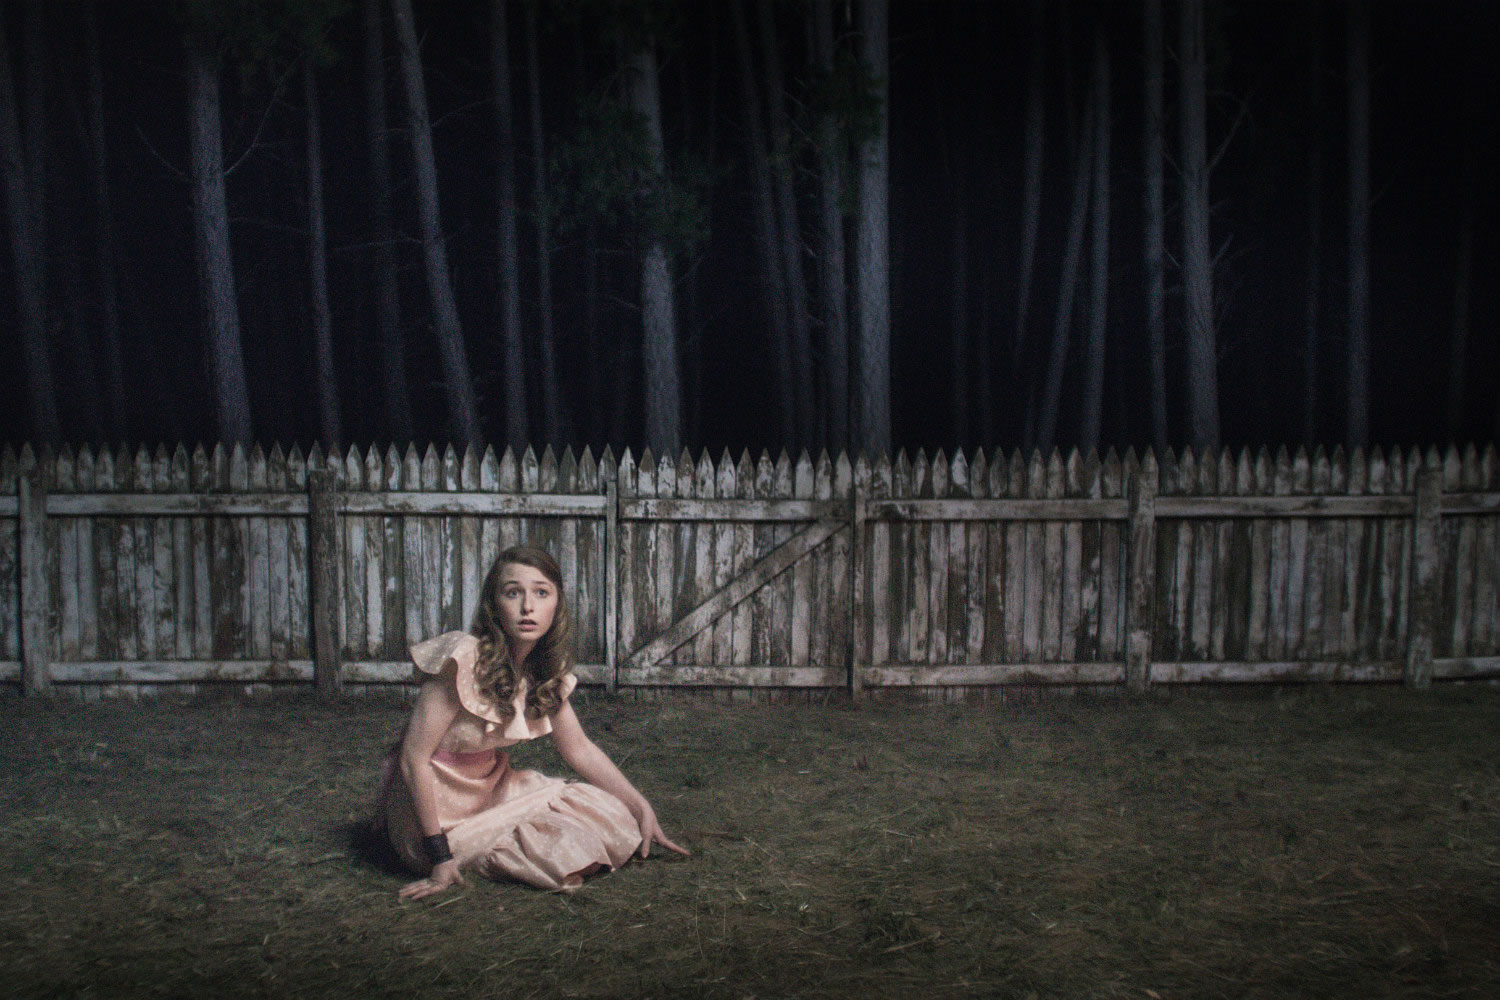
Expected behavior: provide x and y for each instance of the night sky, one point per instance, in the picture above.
(956, 112)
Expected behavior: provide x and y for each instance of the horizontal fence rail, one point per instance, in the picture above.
(127, 571)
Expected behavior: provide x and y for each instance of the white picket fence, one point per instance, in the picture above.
(140, 570)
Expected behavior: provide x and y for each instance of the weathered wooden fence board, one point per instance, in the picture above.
(924, 572)
(10, 571)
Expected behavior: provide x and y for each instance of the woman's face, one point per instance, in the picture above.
(528, 601)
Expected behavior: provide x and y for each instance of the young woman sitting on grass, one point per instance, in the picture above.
(450, 800)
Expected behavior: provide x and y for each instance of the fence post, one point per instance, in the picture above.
(611, 581)
(323, 566)
(31, 496)
(857, 613)
(1424, 579)
(1141, 586)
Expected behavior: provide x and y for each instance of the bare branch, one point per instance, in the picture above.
(437, 123)
(271, 102)
(1218, 254)
(1239, 119)
(174, 171)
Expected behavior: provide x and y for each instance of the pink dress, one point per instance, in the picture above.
(501, 822)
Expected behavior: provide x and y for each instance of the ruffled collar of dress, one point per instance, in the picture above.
(432, 655)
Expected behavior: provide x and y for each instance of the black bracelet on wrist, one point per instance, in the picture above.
(436, 847)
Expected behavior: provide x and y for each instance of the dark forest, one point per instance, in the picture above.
(773, 224)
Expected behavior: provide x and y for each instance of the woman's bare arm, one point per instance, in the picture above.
(594, 766)
(436, 707)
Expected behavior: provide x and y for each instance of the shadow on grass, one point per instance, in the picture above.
(372, 850)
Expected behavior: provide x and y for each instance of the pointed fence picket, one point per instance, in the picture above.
(124, 571)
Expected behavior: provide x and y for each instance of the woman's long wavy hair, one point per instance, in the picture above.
(549, 661)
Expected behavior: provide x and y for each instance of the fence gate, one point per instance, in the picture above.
(735, 576)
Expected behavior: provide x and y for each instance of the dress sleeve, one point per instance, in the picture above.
(432, 655)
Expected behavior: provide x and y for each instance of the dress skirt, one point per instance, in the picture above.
(510, 824)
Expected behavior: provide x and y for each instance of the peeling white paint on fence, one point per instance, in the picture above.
(122, 571)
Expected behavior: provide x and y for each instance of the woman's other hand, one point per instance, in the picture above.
(651, 832)
(442, 877)
(595, 767)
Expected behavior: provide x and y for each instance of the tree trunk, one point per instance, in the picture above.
(1062, 323)
(463, 405)
(74, 338)
(984, 360)
(663, 394)
(1358, 340)
(1093, 353)
(832, 278)
(1033, 142)
(789, 230)
(872, 241)
(1156, 223)
(226, 356)
(1312, 299)
(394, 389)
(26, 249)
(952, 179)
(609, 381)
(767, 241)
(513, 357)
(553, 422)
(1197, 262)
(610, 391)
(696, 121)
(116, 423)
(1463, 270)
(958, 311)
(37, 70)
(329, 426)
(663, 391)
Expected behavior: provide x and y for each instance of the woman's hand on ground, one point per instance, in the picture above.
(443, 876)
(651, 832)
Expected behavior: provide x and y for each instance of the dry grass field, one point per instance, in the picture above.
(1304, 842)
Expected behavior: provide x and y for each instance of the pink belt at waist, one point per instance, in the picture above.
(465, 758)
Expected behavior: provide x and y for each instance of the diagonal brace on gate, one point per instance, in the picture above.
(737, 590)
